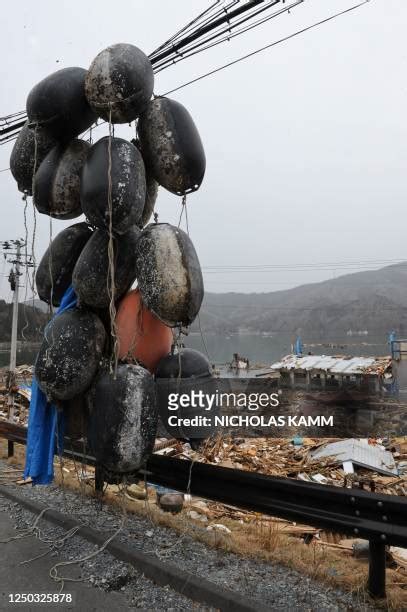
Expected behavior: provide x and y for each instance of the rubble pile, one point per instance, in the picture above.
(21, 388)
(293, 459)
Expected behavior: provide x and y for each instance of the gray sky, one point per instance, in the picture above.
(306, 143)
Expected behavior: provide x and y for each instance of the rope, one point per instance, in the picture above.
(26, 323)
(53, 572)
(111, 288)
(34, 214)
(162, 554)
(184, 202)
(30, 531)
(51, 276)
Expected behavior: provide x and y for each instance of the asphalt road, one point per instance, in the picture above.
(34, 577)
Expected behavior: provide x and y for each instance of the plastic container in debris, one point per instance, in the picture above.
(171, 146)
(127, 187)
(141, 336)
(185, 373)
(58, 103)
(169, 274)
(54, 273)
(57, 181)
(122, 421)
(120, 83)
(70, 353)
(90, 277)
(29, 150)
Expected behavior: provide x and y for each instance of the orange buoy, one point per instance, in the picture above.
(141, 336)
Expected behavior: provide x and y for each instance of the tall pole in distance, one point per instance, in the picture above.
(13, 254)
(14, 325)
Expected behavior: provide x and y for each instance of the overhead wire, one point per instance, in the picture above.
(187, 27)
(206, 43)
(227, 17)
(306, 266)
(264, 48)
(210, 20)
(202, 39)
(177, 47)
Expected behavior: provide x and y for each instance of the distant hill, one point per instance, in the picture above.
(375, 301)
(31, 322)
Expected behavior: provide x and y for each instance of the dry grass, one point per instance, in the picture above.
(256, 538)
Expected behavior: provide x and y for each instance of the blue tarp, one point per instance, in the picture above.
(298, 348)
(44, 421)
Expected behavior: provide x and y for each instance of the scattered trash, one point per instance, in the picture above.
(280, 457)
(399, 555)
(319, 478)
(218, 527)
(171, 502)
(361, 550)
(196, 516)
(360, 453)
(348, 467)
(135, 491)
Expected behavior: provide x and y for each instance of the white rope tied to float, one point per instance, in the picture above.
(111, 265)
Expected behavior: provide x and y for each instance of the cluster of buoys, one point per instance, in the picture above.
(114, 183)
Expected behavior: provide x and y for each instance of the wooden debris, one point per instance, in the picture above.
(279, 457)
(24, 481)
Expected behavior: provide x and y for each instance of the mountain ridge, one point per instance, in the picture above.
(375, 300)
(372, 300)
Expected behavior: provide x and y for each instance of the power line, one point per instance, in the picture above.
(313, 264)
(227, 17)
(214, 39)
(265, 308)
(273, 44)
(197, 30)
(294, 268)
(202, 17)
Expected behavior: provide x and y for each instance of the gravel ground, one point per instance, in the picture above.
(273, 585)
(103, 571)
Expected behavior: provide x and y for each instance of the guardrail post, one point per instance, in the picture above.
(99, 478)
(377, 569)
(10, 449)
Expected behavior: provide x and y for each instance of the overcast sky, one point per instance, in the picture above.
(306, 143)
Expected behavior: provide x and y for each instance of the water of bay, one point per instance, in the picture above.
(259, 349)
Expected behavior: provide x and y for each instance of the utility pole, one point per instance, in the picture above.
(14, 325)
(12, 251)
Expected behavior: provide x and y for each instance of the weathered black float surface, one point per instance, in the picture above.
(57, 181)
(151, 198)
(171, 146)
(179, 373)
(30, 148)
(128, 185)
(70, 353)
(58, 103)
(169, 274)
(122, 418)
(90, 276)
(119, 83)
(188, 363)
(54, 274)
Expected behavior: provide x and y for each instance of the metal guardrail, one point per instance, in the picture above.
(379, 518)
